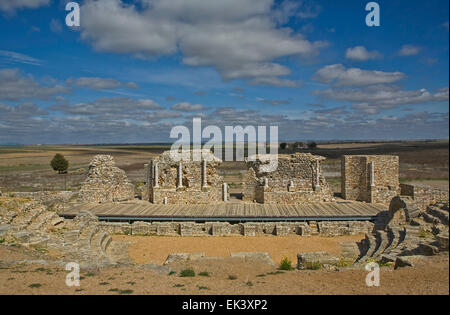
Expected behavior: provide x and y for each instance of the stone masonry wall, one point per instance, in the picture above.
(328, 229)
(424, 195)
(105, 182)
(358, 184)
(298, 178)
(194, 189)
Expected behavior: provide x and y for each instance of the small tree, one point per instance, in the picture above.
(283, 146)
(312, 145)
(59, 163)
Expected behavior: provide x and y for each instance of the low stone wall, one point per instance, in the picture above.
(424, 195)
(45, 197)
(246, 229)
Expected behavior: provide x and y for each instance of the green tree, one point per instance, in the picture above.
(283, 146)
(59, 163)
(312, 145)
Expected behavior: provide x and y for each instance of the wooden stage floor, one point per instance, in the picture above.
(241, 212)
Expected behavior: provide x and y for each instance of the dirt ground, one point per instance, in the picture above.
(429, 276)
(155, 249)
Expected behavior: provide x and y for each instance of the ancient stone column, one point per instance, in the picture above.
(266, 182)
(225, 192)
(156, 176)
(165, 201)
(317, 175)
(204, 179)
(372, 174)
(291, 185)
(180, 175)
(150, 173)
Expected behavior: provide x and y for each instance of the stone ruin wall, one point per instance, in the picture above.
(370, 178)
(200, 183)
(105, 182)
(328, 229)
(424, 195)
(298, 178)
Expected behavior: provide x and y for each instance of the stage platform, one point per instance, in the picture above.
(229, 212)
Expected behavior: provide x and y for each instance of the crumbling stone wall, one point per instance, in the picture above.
(424, 195)
(186, 181)
(298, 178)
(370, 178)
(105, 182)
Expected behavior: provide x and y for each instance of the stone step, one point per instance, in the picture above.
(441, 215)
(382, 242)
(393, 234)
(26, 218)
(43, 220)
(368, 247)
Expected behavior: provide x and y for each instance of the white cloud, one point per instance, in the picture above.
(55, 26)
(341, 76)
(100, 83)
(10, 6)
(408, 50)
(14, 86)
(238, 38)
(187, 107)
(360, 53)
(371, 100)
(14, 57)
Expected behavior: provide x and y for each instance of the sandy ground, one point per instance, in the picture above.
(430, 276)
(155, 249)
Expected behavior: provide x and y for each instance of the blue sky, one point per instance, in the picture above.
(134, 69)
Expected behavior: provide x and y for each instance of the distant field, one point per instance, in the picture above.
(27, 168)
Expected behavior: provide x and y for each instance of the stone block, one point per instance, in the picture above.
(310, 260)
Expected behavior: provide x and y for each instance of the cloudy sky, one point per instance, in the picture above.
(136, 68)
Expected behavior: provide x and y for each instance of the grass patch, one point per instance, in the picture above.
(171, 273)
(232, 277)
(178, 285)
(261, 275)
(249, 283)
(203, 288)
(313, 266)
(90, 274)
(343, 263)
(35, 285)
(104, 283)
(187, 273)
(273, 273)
(131, 282)
(286, 264)
(113, 290)
(204, 274)
(126, 291)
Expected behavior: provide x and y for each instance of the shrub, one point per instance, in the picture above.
(204, 274)
(314, 266)
(232, 277)
(59, 163)
(286, 264)
(312, 145)
(187, 273)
